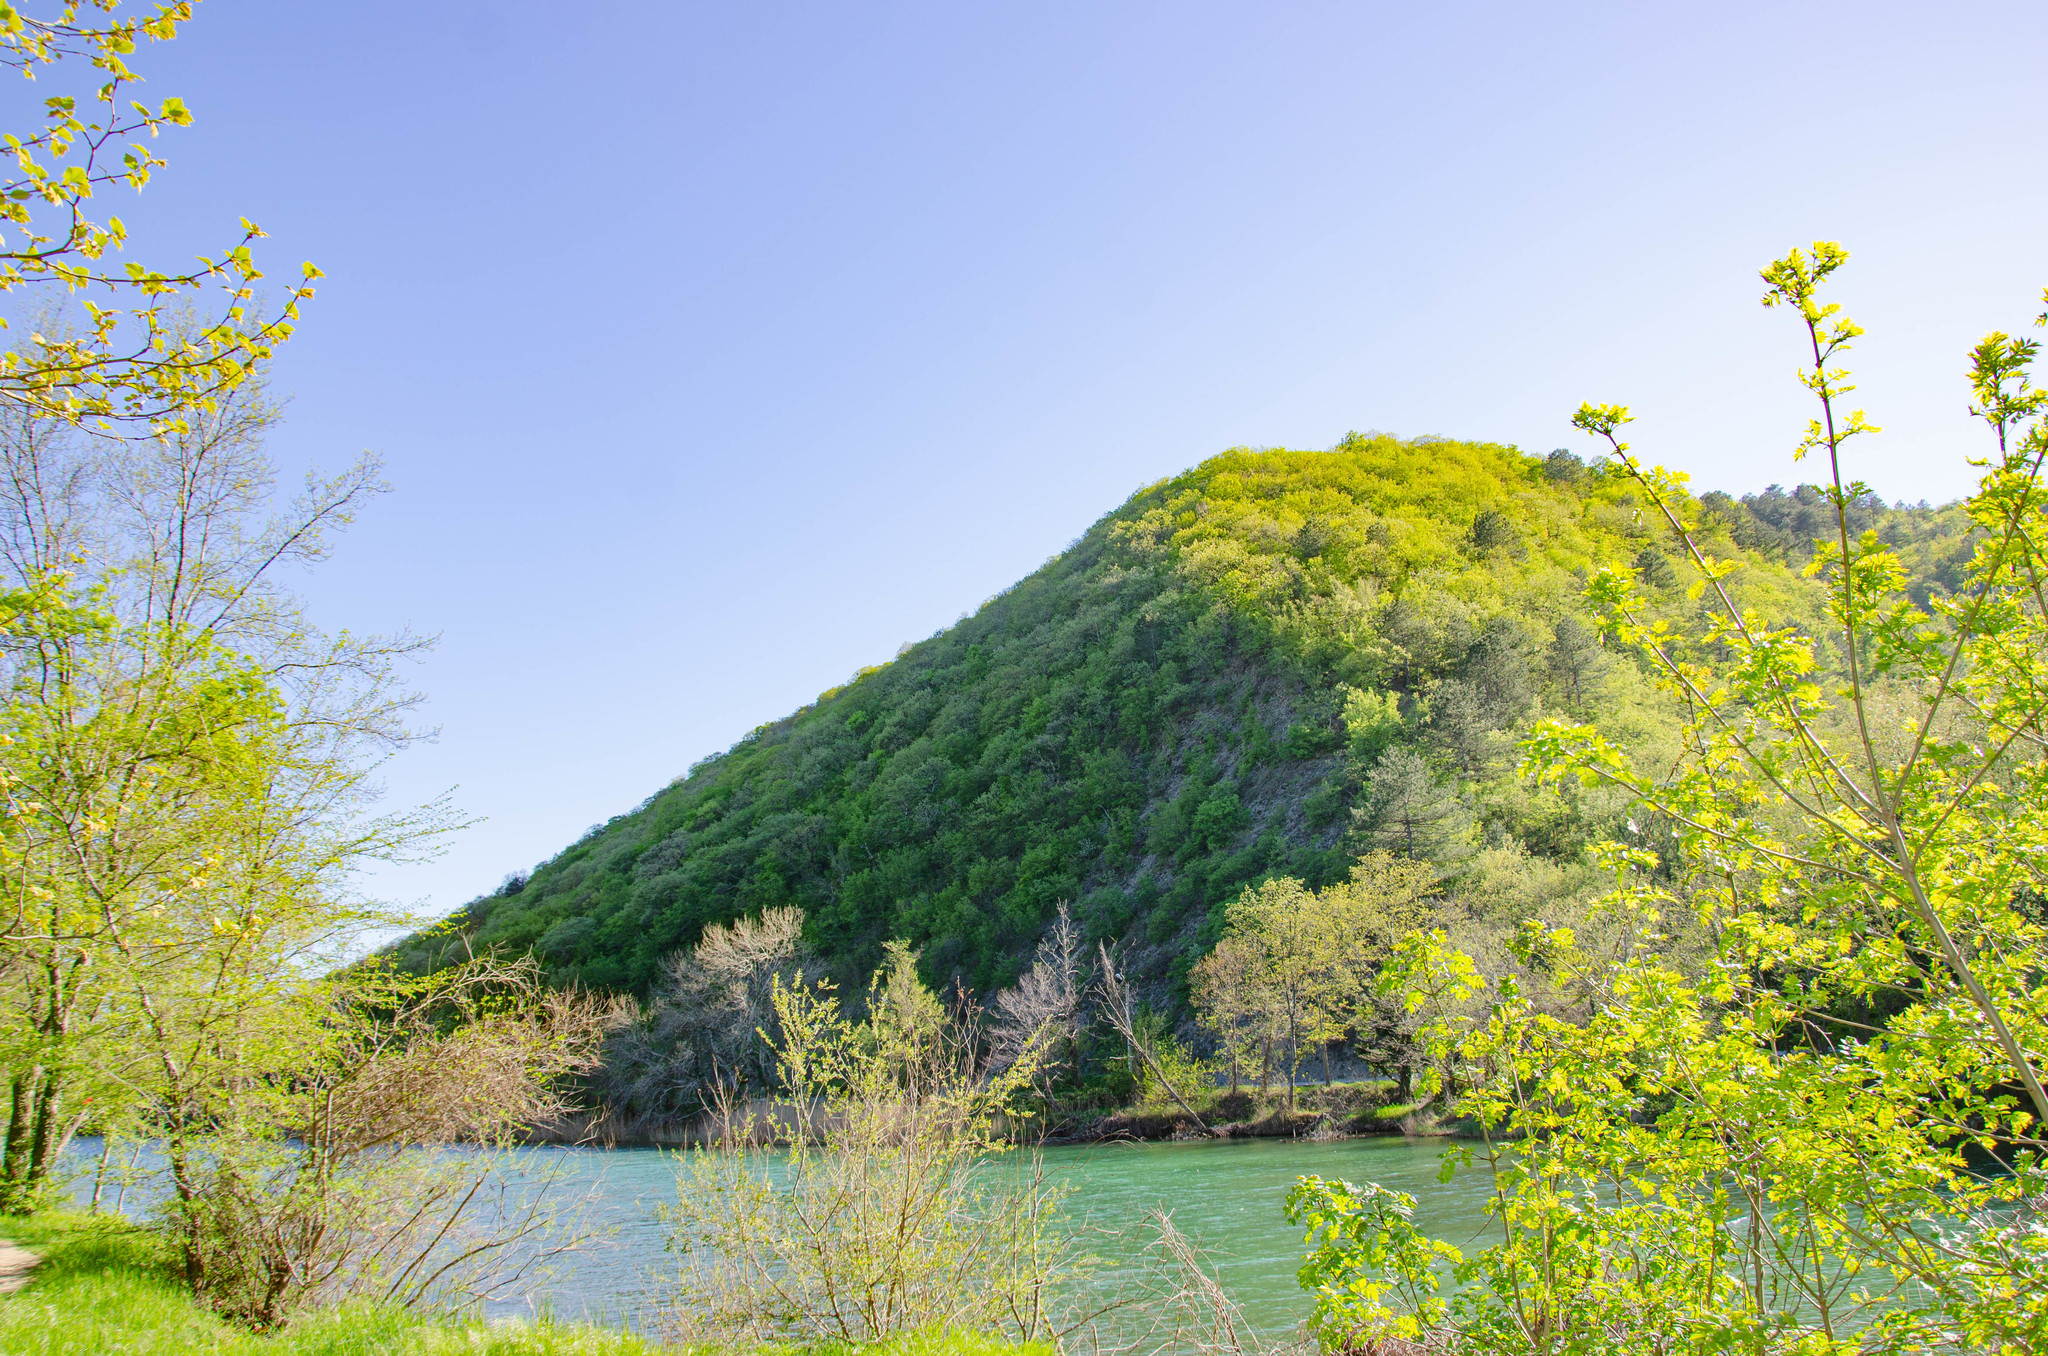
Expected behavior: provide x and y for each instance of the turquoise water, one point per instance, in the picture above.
(1226, 1196)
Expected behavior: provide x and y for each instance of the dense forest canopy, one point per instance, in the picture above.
(1261, 667)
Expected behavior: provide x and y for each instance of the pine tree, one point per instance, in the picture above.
(1408, 811)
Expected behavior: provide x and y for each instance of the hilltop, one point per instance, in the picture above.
(1254, 668)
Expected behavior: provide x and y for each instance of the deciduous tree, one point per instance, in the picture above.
(117, 349)
(1827, 1137)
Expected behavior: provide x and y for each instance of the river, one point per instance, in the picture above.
(1227, 1196)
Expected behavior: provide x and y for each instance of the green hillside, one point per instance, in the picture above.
(1257, 667)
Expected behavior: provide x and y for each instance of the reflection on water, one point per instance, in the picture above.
(1225, 1195)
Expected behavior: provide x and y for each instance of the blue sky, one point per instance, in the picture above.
(715, 351)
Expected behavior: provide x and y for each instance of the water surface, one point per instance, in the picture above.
(1225, 1195)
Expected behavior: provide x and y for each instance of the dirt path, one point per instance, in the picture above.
(15, 1265)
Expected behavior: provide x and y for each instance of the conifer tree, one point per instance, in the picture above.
(1409, 810)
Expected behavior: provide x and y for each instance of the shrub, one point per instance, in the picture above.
(328, 1171)
(879, 1197)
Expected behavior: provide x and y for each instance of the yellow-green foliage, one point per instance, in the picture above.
(1815, 1127)
(1325, 543)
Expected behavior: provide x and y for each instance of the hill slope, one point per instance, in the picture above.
(1250, 669)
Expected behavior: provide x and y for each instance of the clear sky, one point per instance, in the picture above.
(717, 350)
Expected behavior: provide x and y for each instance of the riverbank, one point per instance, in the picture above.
(106, 1285)
(1332, 1111)
(1318, 1111)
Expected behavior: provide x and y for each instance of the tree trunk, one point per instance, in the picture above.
(178, 1158)
(14, 1167)
(43, 1145)
(1293, 1058)
(1265, 1066)
(99, 1176)
(1326, 1064)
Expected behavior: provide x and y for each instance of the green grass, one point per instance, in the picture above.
(104, 1286)
(922, 1344)
(1394, 1112)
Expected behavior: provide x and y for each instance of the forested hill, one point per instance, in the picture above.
(1259, 667)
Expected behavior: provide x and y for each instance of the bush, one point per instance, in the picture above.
(878, 1198)
(325, 1174)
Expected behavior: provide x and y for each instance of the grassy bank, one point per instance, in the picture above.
(104, 1286)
